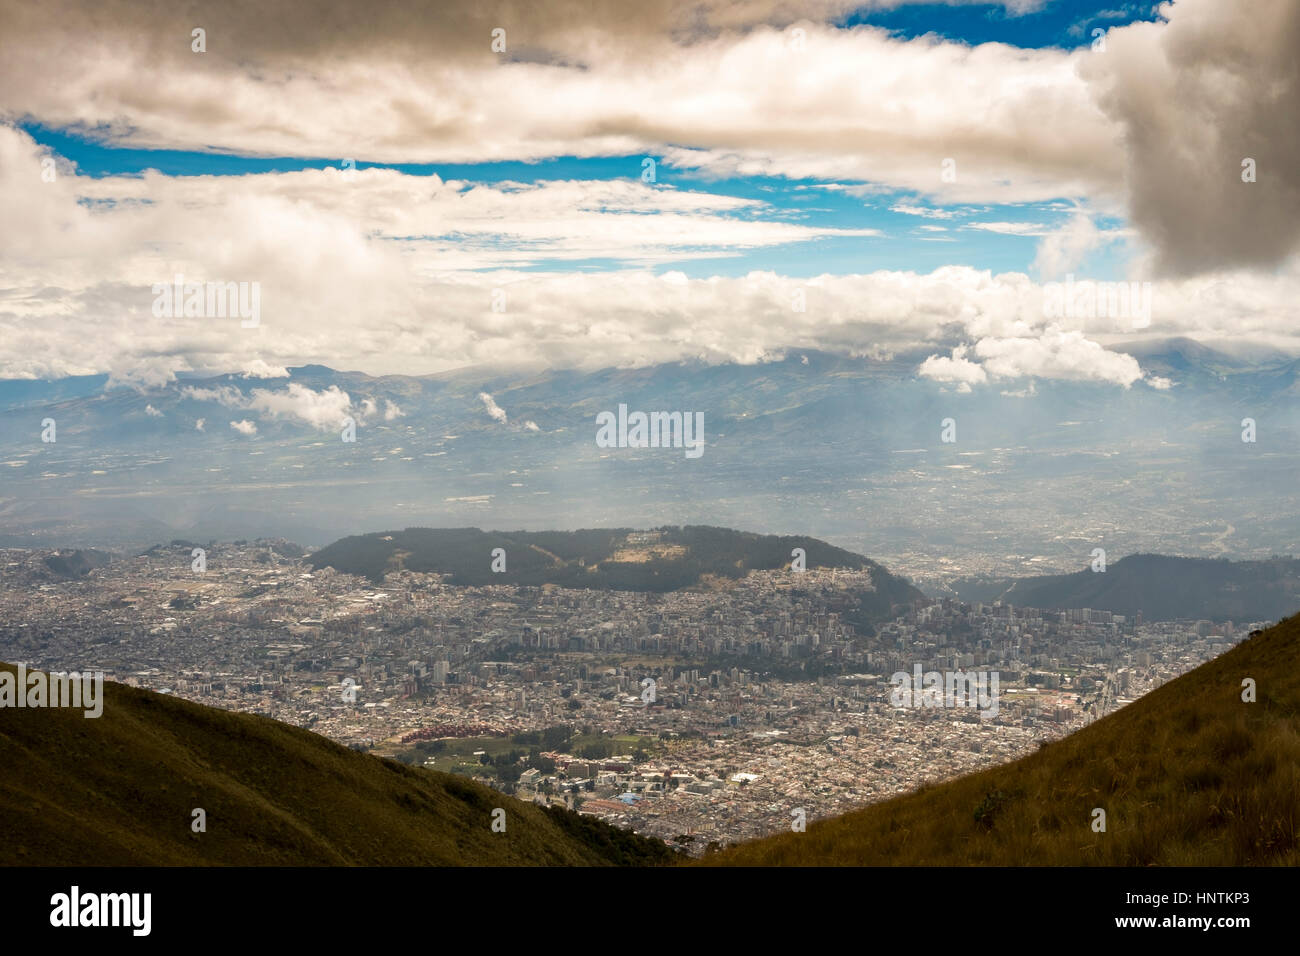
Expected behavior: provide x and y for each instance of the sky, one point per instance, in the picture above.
(415, 187)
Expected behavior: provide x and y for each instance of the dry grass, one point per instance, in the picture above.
(119, 790)
(1189, 775)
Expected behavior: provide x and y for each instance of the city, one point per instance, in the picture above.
(703, 717)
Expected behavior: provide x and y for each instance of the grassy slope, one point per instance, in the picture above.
(119, 790)
(1188, 775)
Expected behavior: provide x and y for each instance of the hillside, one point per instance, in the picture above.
(1188, 775)
(1161, 587)
(119, 790)
(620, 559)
(76, 564)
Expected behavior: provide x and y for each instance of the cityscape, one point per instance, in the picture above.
(765, 700)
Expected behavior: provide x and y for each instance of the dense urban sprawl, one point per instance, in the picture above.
(703, 717)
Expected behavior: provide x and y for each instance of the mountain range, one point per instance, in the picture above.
(853, 450)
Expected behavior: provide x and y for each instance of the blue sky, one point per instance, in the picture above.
(997, 237)
(907, 242)
(1062, 23)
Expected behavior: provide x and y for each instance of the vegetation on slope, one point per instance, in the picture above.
(1162, 587)
(120, 790)
(1188, 775)
(602, 559)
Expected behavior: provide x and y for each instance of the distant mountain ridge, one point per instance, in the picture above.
(1161, 587)
(619, 559)
(848, 449)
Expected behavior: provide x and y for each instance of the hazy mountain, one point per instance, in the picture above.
(850, 450)
(1158, 586)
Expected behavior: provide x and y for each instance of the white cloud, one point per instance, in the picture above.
(1010, 228)
(495, 411)
(1051, 354)
(77, 293)
(257, 368)
(226, 395)
(323, 410)
(244, 427)
(1064, 250)
(350, 278)
(152, 412)
(957, 370)
(1020, 123)
(136, 371)
(924, 211)
(1160, 121)
(1057, 355)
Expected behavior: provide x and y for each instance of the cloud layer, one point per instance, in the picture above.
(385, 271)
(1197, 97)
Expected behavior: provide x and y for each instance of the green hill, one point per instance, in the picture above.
(1188, 775)
(1162, 587)
(120, 790)
(665, 559)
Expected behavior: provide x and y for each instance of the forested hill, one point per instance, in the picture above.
(1160, 586)
(622, 559)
